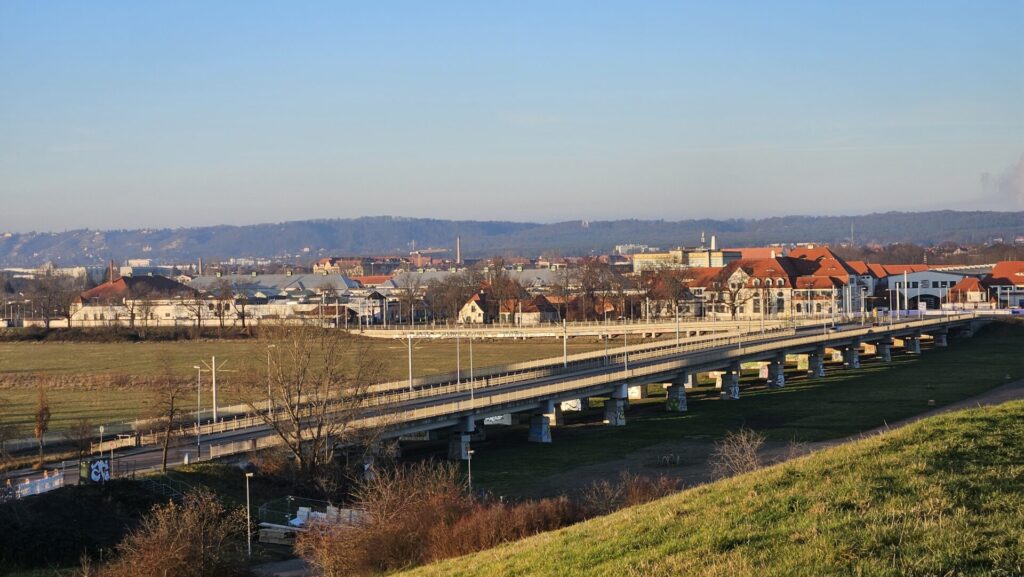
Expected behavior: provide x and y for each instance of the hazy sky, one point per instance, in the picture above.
(132, 114)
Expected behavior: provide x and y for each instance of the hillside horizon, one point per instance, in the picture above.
(310, 239)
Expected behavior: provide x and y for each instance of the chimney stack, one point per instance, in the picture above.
(714, 242)
(458, 250)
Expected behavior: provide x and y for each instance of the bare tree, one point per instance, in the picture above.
(410, 293)
(731, 292)
(54, 294)
(737, 453)
(317, 383)
(42, 420)
(79, 436)
(224, 294)
(167, 408)
(143, 302)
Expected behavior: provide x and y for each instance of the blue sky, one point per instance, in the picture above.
(153, 114)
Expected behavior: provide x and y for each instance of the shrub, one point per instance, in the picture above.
(737, 453)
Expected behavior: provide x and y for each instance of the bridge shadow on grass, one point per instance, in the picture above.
(844, 403)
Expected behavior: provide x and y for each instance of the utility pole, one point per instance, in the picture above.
(565, 345)
(410, 361)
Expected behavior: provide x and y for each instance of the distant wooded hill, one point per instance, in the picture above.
(396, 235)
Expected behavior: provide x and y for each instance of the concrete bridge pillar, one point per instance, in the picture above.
(940, 339)
(816, 363)
(851, 356)
(884, 351)
(540, 429)
(731, 383)
(553, 411)
(675, 394)
(777, 372)
(615, 412)
(458, 446)
(913, 343)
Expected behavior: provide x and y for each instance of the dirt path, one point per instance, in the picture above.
(687, 460)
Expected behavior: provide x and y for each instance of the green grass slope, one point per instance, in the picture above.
(944, 496)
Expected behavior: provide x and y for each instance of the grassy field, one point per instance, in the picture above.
(944, 496)
(105, 369)
(842, 404)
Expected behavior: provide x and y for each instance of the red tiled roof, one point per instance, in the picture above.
(1008, 272)
(968, 285)
(128, 287)
(819, 283)
(372, 280)
(815, 253)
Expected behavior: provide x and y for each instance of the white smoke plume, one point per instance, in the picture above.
(1006, 186)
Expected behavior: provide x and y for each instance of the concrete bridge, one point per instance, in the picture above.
(540, 394)
(608, 329)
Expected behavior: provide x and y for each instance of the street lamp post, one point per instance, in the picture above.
(270, 397)
(199, 409)
(248, 521)
(565, 344)
(469, 469)
(410, 361)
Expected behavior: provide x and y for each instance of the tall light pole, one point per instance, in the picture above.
(469, 469)
(199, 409)
(565, 345)
(248, 521)
(458, 358)
(677, 324)
(410, 361)
(270, 397)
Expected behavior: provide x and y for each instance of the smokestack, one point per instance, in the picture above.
(714, 242)
(458, 250)
(200, 270)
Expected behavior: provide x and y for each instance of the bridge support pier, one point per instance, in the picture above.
(816, 363)
(615, 412)
(851, 356)
(553, 411)
(884, 351)
(540, 429)
(675, 399)
(615, 406)
(777, 372)
(458, 446)
(913, 343)
(731, 383)
(458, 442)
(940, 339)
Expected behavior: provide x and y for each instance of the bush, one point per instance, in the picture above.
(196, 538)
(737, 453)
(423, 513)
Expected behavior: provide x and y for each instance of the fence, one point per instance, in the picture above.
(48, 482)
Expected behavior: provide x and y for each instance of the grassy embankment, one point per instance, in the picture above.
(94, 380)
(844, 403)
(944, 496)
